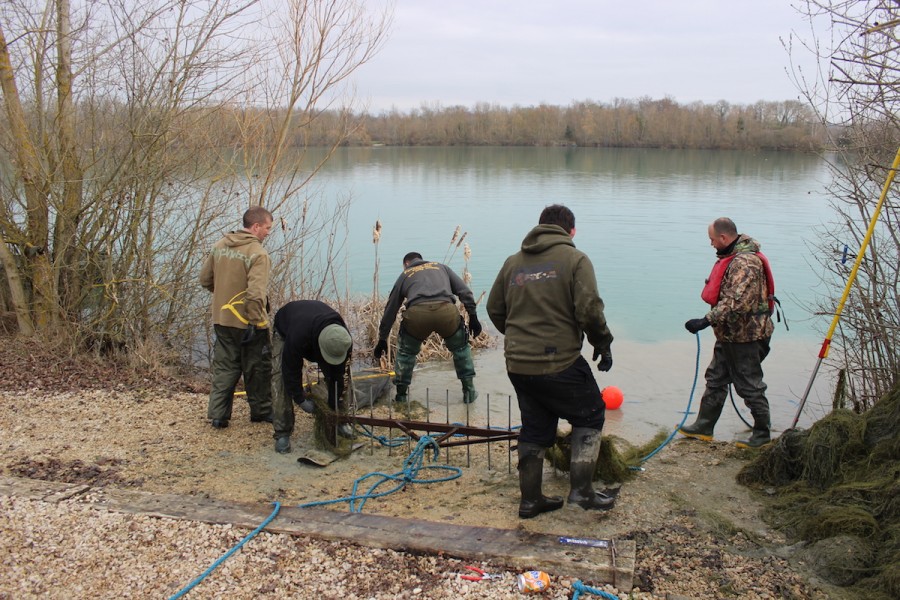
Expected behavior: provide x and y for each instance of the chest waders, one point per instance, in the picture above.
(408, 348)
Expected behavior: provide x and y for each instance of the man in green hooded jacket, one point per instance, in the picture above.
(545, 302)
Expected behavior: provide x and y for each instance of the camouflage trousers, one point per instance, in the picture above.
(739, 364)
(231, 361)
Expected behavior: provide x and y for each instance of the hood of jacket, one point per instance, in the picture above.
(544, 237)
(745, 244)
(235, 239)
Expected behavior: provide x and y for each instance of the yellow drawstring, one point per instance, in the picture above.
(231, 304)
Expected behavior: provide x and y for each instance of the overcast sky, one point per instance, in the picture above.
(528, 52)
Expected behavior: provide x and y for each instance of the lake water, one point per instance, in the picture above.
(641, 215)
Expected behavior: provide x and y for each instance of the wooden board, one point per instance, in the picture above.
(514, 549)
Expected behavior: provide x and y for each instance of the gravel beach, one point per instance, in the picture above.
(698, 533)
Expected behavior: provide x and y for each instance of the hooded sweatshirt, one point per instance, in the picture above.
(237, 273)
(425, 281)
(742, 312)
(544, 301)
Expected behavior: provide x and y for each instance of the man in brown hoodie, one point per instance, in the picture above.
(237, 273)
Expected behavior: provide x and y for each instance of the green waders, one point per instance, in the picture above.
(282, 406)
(407, 350)
(458, 344)
(230, 361)
(420, 321)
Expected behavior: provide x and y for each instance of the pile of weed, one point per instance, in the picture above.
(837, 487)
(613, 465)
(324, 420)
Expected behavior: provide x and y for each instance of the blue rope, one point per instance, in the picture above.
(382, 439)
(225, 556)
(412, 466)
(580, 588)
(687, 410)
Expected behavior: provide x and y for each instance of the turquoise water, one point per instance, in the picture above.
(641, 215)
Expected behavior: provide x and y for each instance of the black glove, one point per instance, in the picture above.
(605, 363)
(474, 326)
(695, 325)
(248, 335)
(380, 348)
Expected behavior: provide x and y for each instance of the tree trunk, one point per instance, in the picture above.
(35, 185)
(16, 289)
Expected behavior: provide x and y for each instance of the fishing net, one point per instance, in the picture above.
(837, 486)
(613, 465)
(368, 388)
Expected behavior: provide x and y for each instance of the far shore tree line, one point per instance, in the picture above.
(637, 123)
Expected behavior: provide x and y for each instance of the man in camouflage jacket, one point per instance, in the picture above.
(741, 320)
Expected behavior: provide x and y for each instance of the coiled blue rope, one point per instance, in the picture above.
(225, 556)
(580, 588)
(687, 410)
(412, 466)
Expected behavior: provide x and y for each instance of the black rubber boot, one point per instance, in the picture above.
(531, 473)
(402, 396)
(585, 450)
(702, 428)
(760, 436)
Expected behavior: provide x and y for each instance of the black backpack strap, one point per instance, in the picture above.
(779, 312)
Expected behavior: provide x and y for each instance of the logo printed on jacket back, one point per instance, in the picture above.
(225, 252)
(429, 266)
(535, 273)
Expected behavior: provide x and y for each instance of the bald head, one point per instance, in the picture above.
(722, 232)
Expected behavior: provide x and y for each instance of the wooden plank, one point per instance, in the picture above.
(514, 549)
(38, 489)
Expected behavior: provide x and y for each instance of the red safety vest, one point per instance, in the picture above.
(710, 293)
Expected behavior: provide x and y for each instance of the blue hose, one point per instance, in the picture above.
(225, 556)
(687, 410)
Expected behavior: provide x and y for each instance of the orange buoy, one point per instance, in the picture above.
(612, 397)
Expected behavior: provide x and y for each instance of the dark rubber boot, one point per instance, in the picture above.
(402, 396)
(760, 436)
(283, 444)
(702, 428)
(585, 450)
(468, 389)
(531, 473)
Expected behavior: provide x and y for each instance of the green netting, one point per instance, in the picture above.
(613, 465)
(839, 480)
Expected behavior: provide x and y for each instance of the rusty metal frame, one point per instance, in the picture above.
(448, 430)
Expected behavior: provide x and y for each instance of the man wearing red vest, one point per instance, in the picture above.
(740, 289)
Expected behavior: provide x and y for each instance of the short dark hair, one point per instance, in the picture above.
(411, 257)
(724, 225)
(557, 214)
(256, 214)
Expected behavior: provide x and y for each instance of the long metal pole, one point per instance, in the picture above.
(826, 344)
